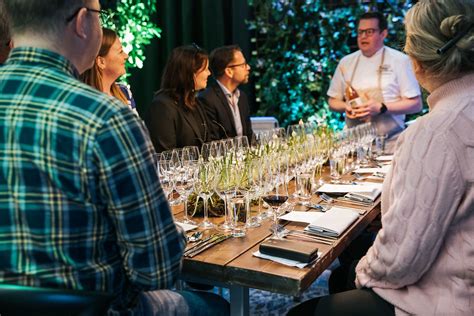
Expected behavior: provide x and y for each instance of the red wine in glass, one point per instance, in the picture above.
(275, 201)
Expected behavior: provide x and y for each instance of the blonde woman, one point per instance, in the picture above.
(109, 65)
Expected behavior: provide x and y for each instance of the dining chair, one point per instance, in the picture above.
(26, 300)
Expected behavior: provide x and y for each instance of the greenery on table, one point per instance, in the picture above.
(131, 19)
(298, 44)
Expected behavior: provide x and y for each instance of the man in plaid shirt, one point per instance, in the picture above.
(81, 206)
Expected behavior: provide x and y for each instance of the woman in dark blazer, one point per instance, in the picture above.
(175, 118)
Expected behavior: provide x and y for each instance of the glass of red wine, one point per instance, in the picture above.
(276, 197)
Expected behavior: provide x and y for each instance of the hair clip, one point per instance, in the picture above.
(195, 46)
(454, 40)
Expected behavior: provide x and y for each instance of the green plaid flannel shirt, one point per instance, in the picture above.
(81, 206)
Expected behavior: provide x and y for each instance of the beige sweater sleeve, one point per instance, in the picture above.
(425, 187)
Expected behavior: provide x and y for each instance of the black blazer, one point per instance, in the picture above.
(172, 125)
(219, 114)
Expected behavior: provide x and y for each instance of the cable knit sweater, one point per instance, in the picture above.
(422, 260)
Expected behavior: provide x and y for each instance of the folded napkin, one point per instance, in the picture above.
(383, 169)
(384, 158)
(370, 196)
(186, 227)
(366, 197)
(334, 222)
(344, 188)
(302, 217)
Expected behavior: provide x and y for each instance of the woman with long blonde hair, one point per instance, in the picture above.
(109, 65)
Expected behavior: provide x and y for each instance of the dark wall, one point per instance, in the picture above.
(208, 23)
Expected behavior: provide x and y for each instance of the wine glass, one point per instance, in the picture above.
(276, 197)
(189, 159)
(241, 145)
(294, 131)
(165, 173)
(184, 185)
(241, 142)
(173, 157)
(210, 151)
(224, 187)
(253, 170)
(190, 153)
(205, 187)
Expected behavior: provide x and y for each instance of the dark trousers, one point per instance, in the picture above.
(342, 278)
(363, 302)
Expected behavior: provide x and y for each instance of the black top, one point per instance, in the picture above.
(219, 115)
(173, 125)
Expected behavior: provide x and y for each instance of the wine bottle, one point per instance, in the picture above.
(352, 97)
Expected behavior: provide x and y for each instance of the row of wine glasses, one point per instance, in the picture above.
(239, 173)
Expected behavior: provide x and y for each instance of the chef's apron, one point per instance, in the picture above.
(385, 123)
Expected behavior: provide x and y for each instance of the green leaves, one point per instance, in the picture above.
(131, 19)
(298, 45)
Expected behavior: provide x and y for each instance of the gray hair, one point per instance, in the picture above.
(430, 24)
(43, 17)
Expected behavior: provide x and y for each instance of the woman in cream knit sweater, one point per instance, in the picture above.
(422, 261)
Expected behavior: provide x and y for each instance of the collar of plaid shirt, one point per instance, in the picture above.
(35, 56)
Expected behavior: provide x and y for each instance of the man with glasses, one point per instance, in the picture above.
(383, 78)
(81, 203)
(226, 105)
(6, 43)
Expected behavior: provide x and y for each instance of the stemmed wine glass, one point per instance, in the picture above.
(205, 187)
(165, 173)
(189, 161)
(254, 172)
(172, 160)
(277, 196)
(225, 188)
(190, 153)
(184, 185)
(210, 151)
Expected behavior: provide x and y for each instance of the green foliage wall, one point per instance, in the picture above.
(298, 44)
(131, 19)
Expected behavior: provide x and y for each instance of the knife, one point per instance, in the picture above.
(206, 246)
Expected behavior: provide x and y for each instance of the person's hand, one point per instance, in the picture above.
(359, 112)
(373, 107)
(350, 111)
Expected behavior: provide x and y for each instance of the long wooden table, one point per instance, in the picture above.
(231, 264)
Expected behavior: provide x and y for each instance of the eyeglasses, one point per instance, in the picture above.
(104, 15)
(368, 32)
(245, 64)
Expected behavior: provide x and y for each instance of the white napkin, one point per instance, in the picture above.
(186, 227)
(334, 222)
(302, 217)
(384, 158)
(344, 188)
(286, 262)
(364, 196)
(383, 169)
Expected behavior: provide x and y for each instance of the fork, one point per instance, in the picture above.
(329, 200)
(326, 198)
(318, 207)
(284, 232)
